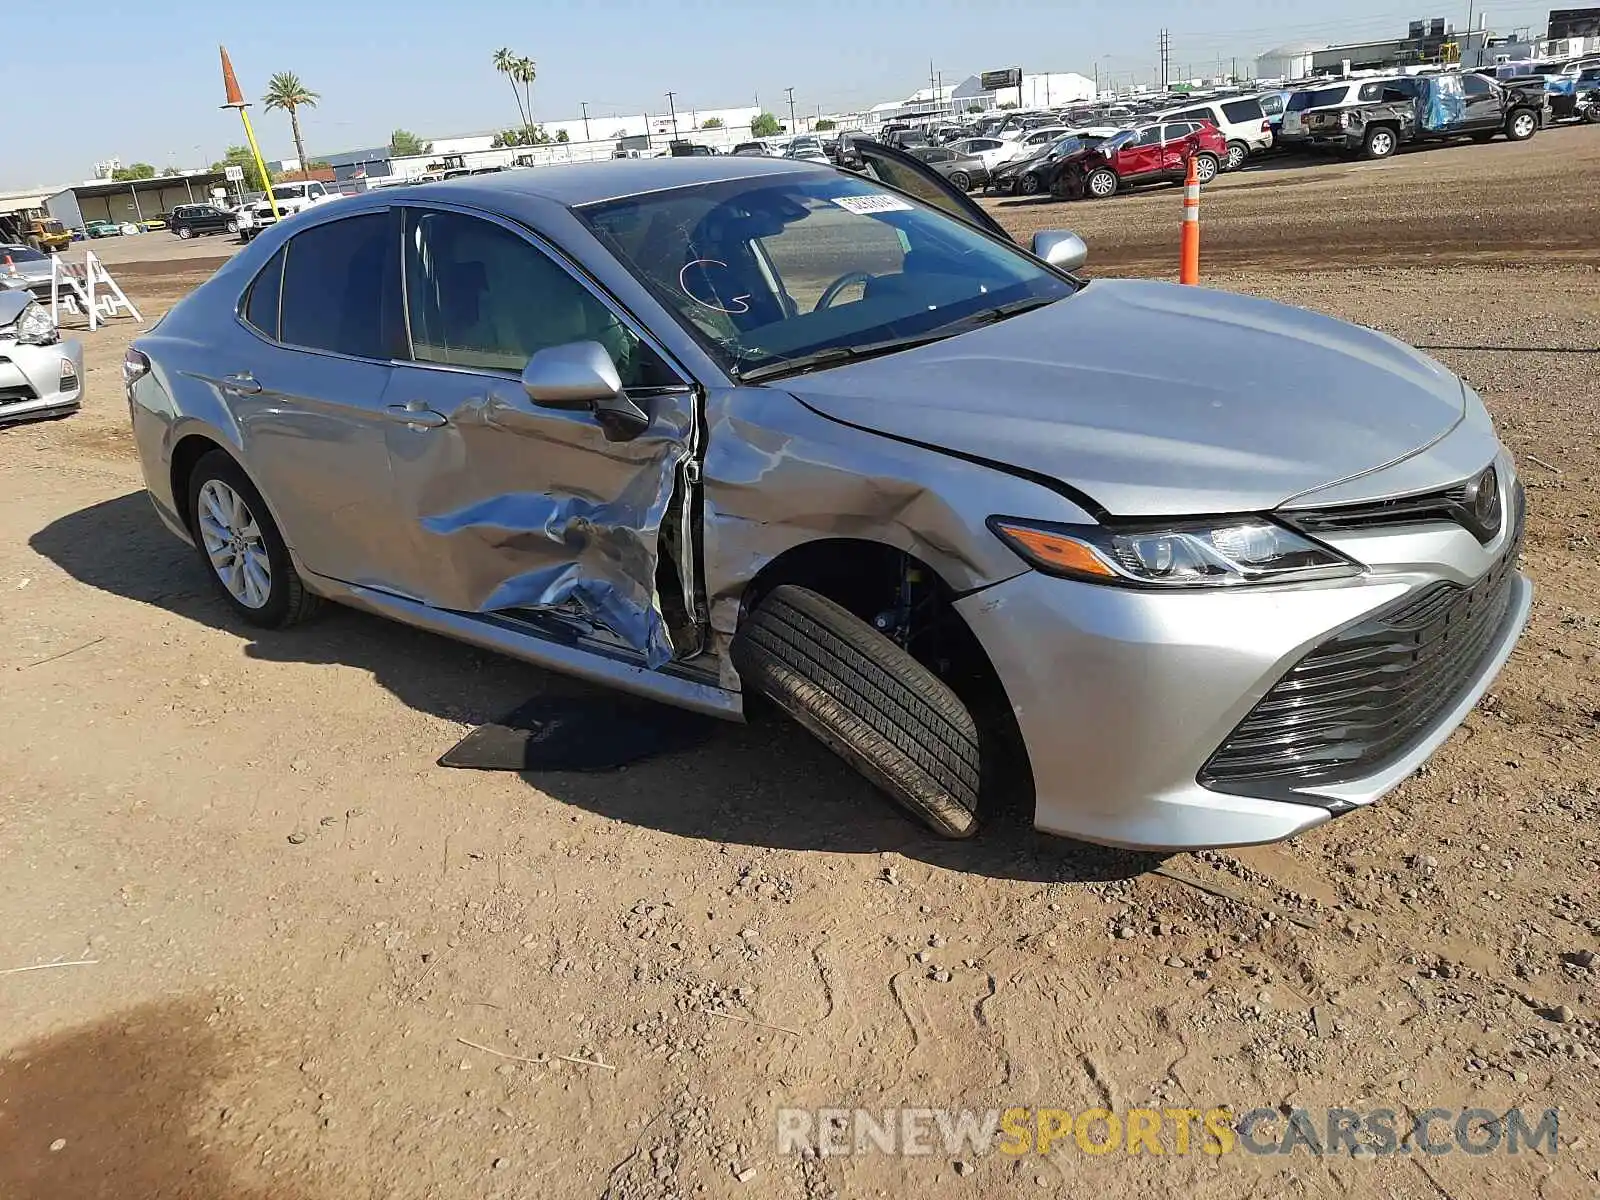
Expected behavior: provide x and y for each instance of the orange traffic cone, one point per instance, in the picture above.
(1189, 267)
(11, 267)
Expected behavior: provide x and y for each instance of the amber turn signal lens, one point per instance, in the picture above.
(1054, 550)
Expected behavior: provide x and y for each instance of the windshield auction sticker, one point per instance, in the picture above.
(865, 206)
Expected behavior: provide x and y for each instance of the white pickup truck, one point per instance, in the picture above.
(291, 198)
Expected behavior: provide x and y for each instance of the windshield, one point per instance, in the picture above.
(1320, 98)
(1063, 146)
(1120, 140)
(291, 191)
(770, 270)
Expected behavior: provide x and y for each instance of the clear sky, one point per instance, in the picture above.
(146, 88)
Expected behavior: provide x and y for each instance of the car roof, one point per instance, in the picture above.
(577, 184)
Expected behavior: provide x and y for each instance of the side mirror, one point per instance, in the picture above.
(581, 375)
(1060, 248)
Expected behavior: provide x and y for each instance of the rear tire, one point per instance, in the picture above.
(868, 701)
(286, 602)
(1522, 125)
(1237, 153)
(1379, 143)
(186, 233)
(1101, 183)
(961, 181)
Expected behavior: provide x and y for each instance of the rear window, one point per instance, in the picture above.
(1321, 98)
(1240, 111)
(333, 286)
(1272, 104)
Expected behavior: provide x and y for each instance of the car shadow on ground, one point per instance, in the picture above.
(765, 784)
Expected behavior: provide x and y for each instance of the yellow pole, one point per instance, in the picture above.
(235, 99)
(250, 136)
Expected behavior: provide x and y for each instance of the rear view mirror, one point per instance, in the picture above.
(1060, 248)
(581, 375)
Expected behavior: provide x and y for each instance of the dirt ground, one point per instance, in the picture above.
(316, 966)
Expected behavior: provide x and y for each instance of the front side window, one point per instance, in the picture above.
(333, 286)
(480, 296)
(1149, 137)
(1476, 85)
(772, 270)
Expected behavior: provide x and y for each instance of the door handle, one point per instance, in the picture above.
(417, 414)
(244, 383)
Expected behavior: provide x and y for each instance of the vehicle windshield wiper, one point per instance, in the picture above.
(833, 355)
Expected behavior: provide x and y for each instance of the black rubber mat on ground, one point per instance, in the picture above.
(578, 733)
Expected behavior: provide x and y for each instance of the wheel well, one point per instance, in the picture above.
(189, 451)
(909, 602)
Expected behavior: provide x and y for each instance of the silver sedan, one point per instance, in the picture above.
(41, 374)
(1192, 569)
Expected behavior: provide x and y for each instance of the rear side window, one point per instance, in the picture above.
(261, 309)
(334, 282)
(1240, 111)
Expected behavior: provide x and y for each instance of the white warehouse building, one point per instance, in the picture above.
(1288, 62)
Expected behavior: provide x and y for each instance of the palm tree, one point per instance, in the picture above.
(286, 92)
(508, 64)
(526, 72)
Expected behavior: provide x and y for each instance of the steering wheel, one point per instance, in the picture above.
(831, 292)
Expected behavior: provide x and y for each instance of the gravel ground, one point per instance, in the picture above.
(322, 967)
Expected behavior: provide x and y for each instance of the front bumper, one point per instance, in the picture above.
(40, 381)
(1122, 696)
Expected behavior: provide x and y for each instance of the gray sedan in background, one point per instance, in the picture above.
(1191, 569)
(41, 373)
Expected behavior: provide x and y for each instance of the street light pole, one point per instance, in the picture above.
(674, 113)
(790, 91)
(584, 104)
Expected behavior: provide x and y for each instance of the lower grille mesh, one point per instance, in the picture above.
(1362, 699)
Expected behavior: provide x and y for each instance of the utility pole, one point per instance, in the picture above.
(585, 105)
(674, 113)
(1164, 44)
(790, 91)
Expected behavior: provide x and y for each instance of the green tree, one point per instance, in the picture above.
(561, 136)
(711, 123)
(1007, 104)
(134, 171)
(506, 62)
(526, 72)
(285, 92)
(824, 125)
(240, 156)
(402, 142)
(974, 108)
(765, 125)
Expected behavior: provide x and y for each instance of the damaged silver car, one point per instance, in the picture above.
(1192, 569)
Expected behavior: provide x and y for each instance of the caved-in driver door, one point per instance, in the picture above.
(517, 507)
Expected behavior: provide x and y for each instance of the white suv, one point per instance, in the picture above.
(1342, 93)
(1241, 120)
(291, 198)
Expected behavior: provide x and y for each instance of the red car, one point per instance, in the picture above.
(1146, 154)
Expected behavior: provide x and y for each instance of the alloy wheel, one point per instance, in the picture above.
(1205, 169)
(234, 544)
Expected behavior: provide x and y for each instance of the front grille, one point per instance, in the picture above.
(1361, 700)
(1445, 505)
(15, 395)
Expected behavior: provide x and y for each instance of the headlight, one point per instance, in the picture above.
(1224, 552)
(34, 326)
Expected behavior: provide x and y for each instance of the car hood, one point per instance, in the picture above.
(1155, 399)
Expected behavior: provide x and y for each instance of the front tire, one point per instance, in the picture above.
(1028, 185)
(1522, 125)
(239, 543)
(1101, 183)
(1379, 143)
(868, 701)
(1206, 167)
